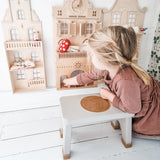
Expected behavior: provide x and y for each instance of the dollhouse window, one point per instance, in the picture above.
(59, 12)
(116, 19)
(20, 75)
(64, 28)
(36, 74)
(89, 28)
(131, 19)
(94, 13)
(17, 56)
(20, 14)
(14, 34)
(31, 34)
(34, 57)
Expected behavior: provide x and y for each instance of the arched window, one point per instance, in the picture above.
(31, 33)
(131, 19)
(64, 28)
(116, 19)
(89, 28)
(17, 56)
(20, 14)
(20, 75)
(14, 34)
(34, 56)
(36, 74)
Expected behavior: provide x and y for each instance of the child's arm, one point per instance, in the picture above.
(70, 81)
(85, 78)
(128, 96)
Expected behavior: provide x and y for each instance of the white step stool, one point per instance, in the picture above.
(73, 114)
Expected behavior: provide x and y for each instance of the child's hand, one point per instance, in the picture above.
(70, 81)
(106, 94)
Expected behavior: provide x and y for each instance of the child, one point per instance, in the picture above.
(131, 89)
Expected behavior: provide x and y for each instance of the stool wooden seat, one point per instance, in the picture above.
(73, 114)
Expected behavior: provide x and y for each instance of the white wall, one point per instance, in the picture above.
(44, 10)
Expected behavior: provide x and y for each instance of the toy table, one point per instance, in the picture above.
(73, 114)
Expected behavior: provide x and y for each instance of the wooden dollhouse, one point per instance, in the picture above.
(24, 47)
(126, 13)
(76, 20)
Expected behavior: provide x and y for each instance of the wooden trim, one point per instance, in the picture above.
(66, 156)
(115, 127)
(126, 145)
(61, 132)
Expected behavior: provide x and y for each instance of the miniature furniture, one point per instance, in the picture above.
(76, 20)
(74, 115)
(24, 47)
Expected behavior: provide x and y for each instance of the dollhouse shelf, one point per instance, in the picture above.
(72, 54)
(94, 84)
(38, 65)
(12, 45)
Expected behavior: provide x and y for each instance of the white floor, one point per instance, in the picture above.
(93, 142)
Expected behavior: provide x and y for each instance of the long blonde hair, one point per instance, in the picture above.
(116, 45)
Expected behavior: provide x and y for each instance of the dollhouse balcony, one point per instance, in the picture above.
(32, 83)
(12, 45)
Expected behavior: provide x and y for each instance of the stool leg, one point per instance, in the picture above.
(115, 124)
(61, 132)
(126, 128)
(67, 141)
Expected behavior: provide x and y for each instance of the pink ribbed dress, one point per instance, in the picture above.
(132, 96)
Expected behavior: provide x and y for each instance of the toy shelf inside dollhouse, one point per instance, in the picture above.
(25, 65)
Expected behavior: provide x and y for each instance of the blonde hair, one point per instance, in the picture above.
(116, 45)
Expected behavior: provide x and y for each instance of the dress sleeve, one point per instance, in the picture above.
(89, 77)
(128, 96)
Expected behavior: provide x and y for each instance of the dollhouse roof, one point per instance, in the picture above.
(7, 16)
(79, 8)
(126, 5)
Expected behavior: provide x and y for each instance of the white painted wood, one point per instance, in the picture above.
(30, 100)
(30, 128)
(126, 128)
(71, 104)
(73, 114)
(67, 129)
(96, 142)
(30, 115)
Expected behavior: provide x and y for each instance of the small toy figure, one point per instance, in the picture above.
(143, 29)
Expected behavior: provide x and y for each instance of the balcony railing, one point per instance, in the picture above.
(11, 45)
(36, 82)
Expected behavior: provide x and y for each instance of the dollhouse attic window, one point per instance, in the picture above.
(20, 14)
(89, 28)
(17, 56)
(94, 13)
(34, 57)
(36, 74)
(59, 12)
(116, 19)
(131, 19)
(20, 75)
(14, 34)
(64, 28)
